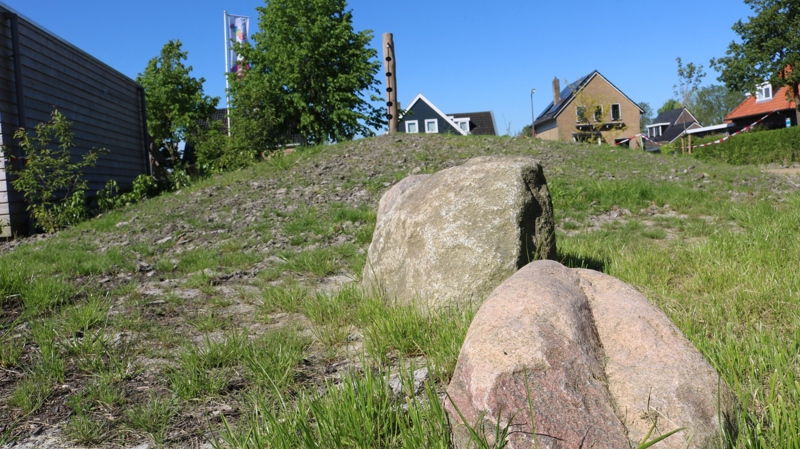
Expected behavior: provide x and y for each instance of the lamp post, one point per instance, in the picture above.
(533, 117)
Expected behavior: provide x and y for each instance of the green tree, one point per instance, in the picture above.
(175, 101)
(689, 78)
(710, 104)
(307, 72)
(769, 50)
(646, 117)
(669, 105)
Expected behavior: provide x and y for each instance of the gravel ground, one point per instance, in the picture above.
(227, 210)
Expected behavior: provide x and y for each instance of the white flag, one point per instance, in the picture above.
(238, 28)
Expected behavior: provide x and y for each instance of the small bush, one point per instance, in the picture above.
(50, 181)
(110, 197)
(775, 146)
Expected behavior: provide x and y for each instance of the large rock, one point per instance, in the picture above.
(456, 235)
(602, 365)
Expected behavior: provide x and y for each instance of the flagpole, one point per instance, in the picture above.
(227, 68)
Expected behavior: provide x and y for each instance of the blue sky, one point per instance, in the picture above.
(464, 56)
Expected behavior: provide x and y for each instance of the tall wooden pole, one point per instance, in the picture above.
(391, 81)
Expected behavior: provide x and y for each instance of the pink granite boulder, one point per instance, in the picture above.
(602, 365)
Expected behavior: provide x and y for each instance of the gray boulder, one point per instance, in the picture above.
(456, 235)
(602, 365)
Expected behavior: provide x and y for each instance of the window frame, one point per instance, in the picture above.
(462, 121)
(598, 112)
(435, 126)
(618, 116)
(760, 92)
(580, 117)
(416, 125)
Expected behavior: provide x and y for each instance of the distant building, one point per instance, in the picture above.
(590, 109)
(422, 116)
(669, 126)
(767, 100)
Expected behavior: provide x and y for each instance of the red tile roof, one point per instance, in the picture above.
(750, 107)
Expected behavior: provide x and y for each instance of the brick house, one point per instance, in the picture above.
(590, 109)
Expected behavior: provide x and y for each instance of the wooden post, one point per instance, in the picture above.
(690, 144)
(391, 81)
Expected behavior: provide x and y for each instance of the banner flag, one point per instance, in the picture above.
(238, 29)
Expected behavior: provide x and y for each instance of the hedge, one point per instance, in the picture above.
(779, 145)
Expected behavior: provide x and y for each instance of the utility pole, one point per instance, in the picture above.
(391, 81)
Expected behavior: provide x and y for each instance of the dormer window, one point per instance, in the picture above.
(462, 123)
(764, 92)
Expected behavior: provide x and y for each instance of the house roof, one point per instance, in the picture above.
(673, 117)
(675, 125)
(569, 92)
(444, 116)
(480, 123)
(667, 117)
(751, 107)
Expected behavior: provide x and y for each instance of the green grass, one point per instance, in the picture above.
(273, 359)
(361, 411)
(201, 369)
(153, 416)
(720, 258)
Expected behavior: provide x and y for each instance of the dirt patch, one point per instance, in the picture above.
(785, 171)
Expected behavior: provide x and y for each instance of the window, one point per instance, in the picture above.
(412, 126)
(580, 113)
(431, 126)
(463, 124)
(598, 113)
(616, 114)
(764, 92)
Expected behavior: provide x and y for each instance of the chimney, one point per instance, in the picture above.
(556, 91)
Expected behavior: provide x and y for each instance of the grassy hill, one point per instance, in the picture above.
(224, 313)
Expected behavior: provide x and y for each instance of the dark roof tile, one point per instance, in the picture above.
(481, 123)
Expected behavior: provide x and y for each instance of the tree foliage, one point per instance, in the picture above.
(710, 104)
(669, 105)
(307, 73)
(593, 112)
(768, 51)
(175, 101)
(647, 116)
(689, 78)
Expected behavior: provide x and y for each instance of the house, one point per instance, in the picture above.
(671, 125)
(767, 100)
(39, 71)
(423, 116)
(590, 109)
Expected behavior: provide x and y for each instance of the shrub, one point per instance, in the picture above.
(217, 153)
(51, 183)
(109, 197)
(779, 145)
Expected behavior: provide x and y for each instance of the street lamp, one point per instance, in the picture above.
(533, 117)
